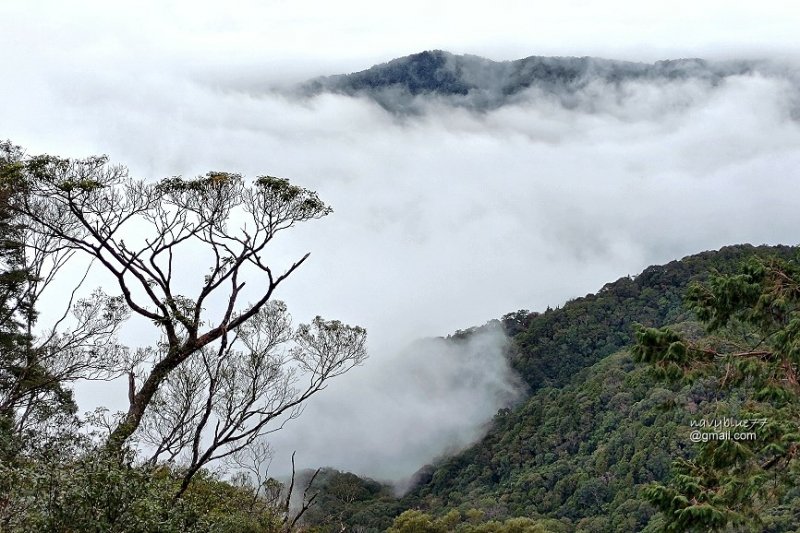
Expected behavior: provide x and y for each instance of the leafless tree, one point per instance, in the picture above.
(223, 399)
(251, 465)
(216, 380)
(253, 462)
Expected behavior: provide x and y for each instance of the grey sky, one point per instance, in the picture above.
(449, 219)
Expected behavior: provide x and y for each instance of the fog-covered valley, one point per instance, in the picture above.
(453, 207)
(477, 163)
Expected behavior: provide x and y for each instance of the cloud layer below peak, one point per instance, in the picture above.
(449, 217)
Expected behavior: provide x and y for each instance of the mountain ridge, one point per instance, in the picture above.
(576, 453)
(483, 84)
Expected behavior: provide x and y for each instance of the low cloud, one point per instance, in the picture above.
(404, 409)
(444, 219)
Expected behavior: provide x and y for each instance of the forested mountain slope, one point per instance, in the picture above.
(550, 348)
(595, 429)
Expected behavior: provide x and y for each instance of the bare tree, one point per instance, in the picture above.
(223, 400)
(290, 519)
(217, 379)
(253, 463)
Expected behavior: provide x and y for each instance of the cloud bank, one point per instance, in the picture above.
(428, 400)
(447, 218)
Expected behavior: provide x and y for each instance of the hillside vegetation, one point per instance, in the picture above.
(596, 430)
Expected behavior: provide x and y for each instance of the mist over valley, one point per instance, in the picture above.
(463, 189)
(502, 221)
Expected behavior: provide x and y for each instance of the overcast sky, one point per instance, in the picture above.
(449, 219)
(256, 33)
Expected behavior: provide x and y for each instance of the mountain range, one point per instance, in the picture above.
(482, 84)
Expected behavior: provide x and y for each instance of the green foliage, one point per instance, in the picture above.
(29, 392)
(346, 500)
(211, 181)
(597, 430)
(414, 521)
(579, 453)
(559, 343)
(755, 316)
(672, 358)
(97, 493)
(306, 202)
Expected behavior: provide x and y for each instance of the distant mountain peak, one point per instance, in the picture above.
(482, 84)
